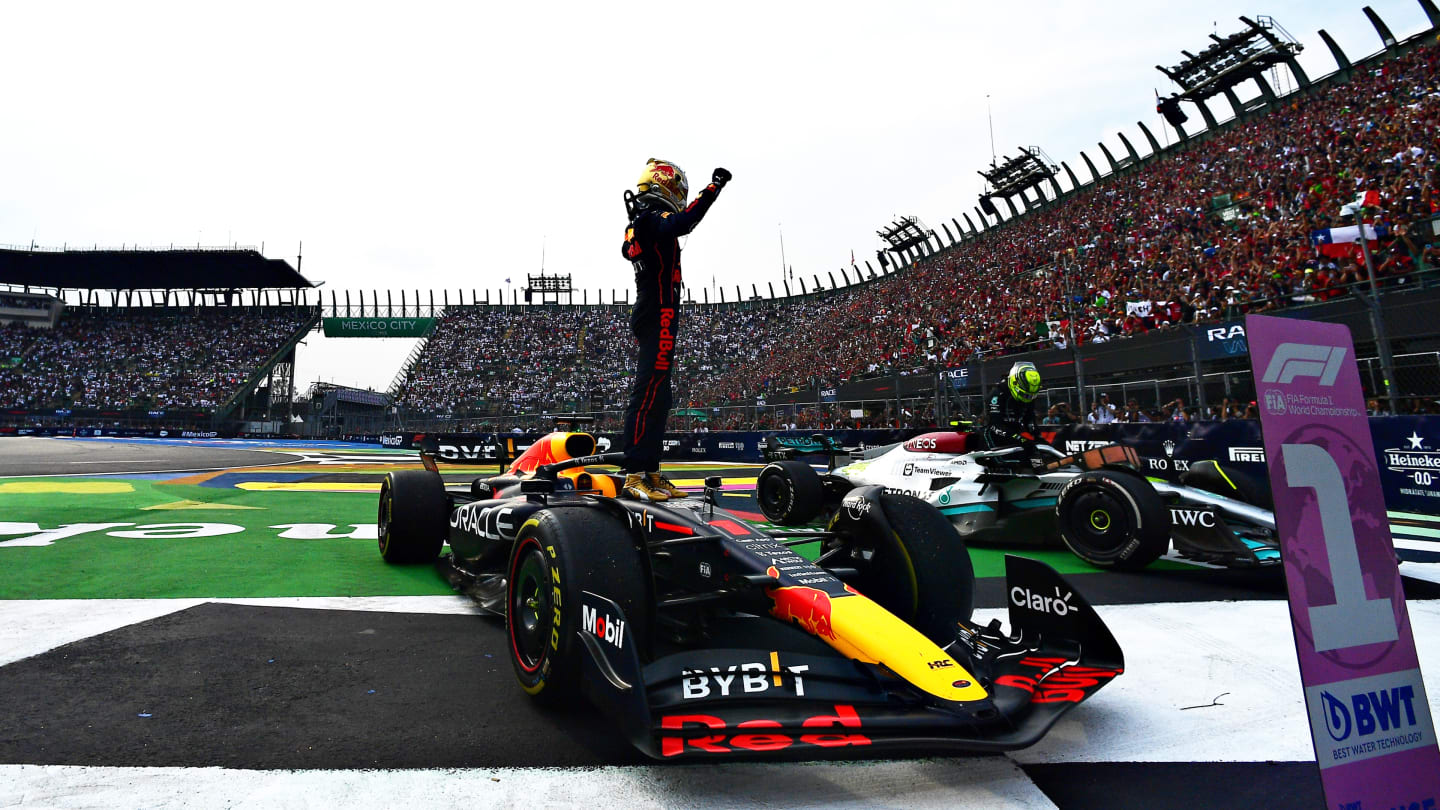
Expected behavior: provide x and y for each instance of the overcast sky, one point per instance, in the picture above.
(437, 146)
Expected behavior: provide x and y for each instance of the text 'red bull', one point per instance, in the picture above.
(809, 607)
(667, 340)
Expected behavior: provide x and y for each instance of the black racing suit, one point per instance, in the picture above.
(1006, 419)
(652, 244)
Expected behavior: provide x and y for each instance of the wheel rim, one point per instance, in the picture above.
(529, 607)
(773, 495)
(382, 520)
(1102, 522)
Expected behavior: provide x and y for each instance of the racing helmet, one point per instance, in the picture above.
(664, 182)
(1024, 381)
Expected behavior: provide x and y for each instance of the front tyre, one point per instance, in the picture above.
(412, 523)
(558, 554)
(1113, 520)
(790, 493)
(920, 572)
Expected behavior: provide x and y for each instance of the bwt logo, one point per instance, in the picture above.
(1293, 360)
(1368, 712)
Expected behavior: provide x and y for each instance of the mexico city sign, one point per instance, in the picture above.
(378, 327)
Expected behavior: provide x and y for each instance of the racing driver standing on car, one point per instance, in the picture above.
(1010, 411)
(659, 216)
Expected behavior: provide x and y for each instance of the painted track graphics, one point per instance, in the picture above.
(234, 615)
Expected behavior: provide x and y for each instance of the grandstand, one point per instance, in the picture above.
(1221, 224)
(149, 338)
(1102, 283)
(338, 410)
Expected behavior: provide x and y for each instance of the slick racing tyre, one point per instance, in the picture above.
(790, 493)
(558, 554)
(413, 519)
(921, 572)
(1113, 520)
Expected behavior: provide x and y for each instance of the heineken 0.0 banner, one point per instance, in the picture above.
(379, 327)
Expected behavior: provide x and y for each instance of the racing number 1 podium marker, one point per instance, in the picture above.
(1369, 717)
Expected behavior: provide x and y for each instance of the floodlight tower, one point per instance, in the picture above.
(1031, 169)
(1228, 62)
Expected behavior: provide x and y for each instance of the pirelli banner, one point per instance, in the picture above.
(1406, 447)
(727, 446)
(379, 327)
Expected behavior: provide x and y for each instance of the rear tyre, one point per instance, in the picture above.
(921, 572)
(413, 516)
(790, 493)
(558, 554)
(1113, 520)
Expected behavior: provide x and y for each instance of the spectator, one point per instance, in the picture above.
(140, 359)
(1103, 413)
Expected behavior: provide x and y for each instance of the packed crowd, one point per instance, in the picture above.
(1217, 229)
(565, 358)
(129, 359)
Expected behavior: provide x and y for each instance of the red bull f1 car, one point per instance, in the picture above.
(703, 637)
(1096, 502)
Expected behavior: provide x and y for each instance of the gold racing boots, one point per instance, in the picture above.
(652, 487)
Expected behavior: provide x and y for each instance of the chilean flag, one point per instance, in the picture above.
(1342, 242)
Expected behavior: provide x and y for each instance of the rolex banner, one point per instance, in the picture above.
(379, 327)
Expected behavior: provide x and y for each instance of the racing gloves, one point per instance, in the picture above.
(720, 177)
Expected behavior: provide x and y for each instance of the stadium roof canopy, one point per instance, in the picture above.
(147, 270)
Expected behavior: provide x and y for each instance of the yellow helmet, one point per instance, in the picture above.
(666, 182)
(1024, 381)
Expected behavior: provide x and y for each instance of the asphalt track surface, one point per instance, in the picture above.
(34, 455)
(271, 689)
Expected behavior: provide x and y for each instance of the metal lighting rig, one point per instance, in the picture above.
(1228, 62)
(548, 288)
(905, 233)
(1031, 169)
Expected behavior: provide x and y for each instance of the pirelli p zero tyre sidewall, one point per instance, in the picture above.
(922, 571)
(790, 493)
(1113, 519)
(413, 518)
(558, 554)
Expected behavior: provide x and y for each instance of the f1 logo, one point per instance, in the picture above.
(1293, 360)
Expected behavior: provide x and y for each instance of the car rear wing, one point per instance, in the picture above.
(500, 449)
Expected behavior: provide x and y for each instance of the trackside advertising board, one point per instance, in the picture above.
(1369, 716)
(378, 327)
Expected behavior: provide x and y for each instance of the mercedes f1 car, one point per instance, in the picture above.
(1097, 503)
(703, 637)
